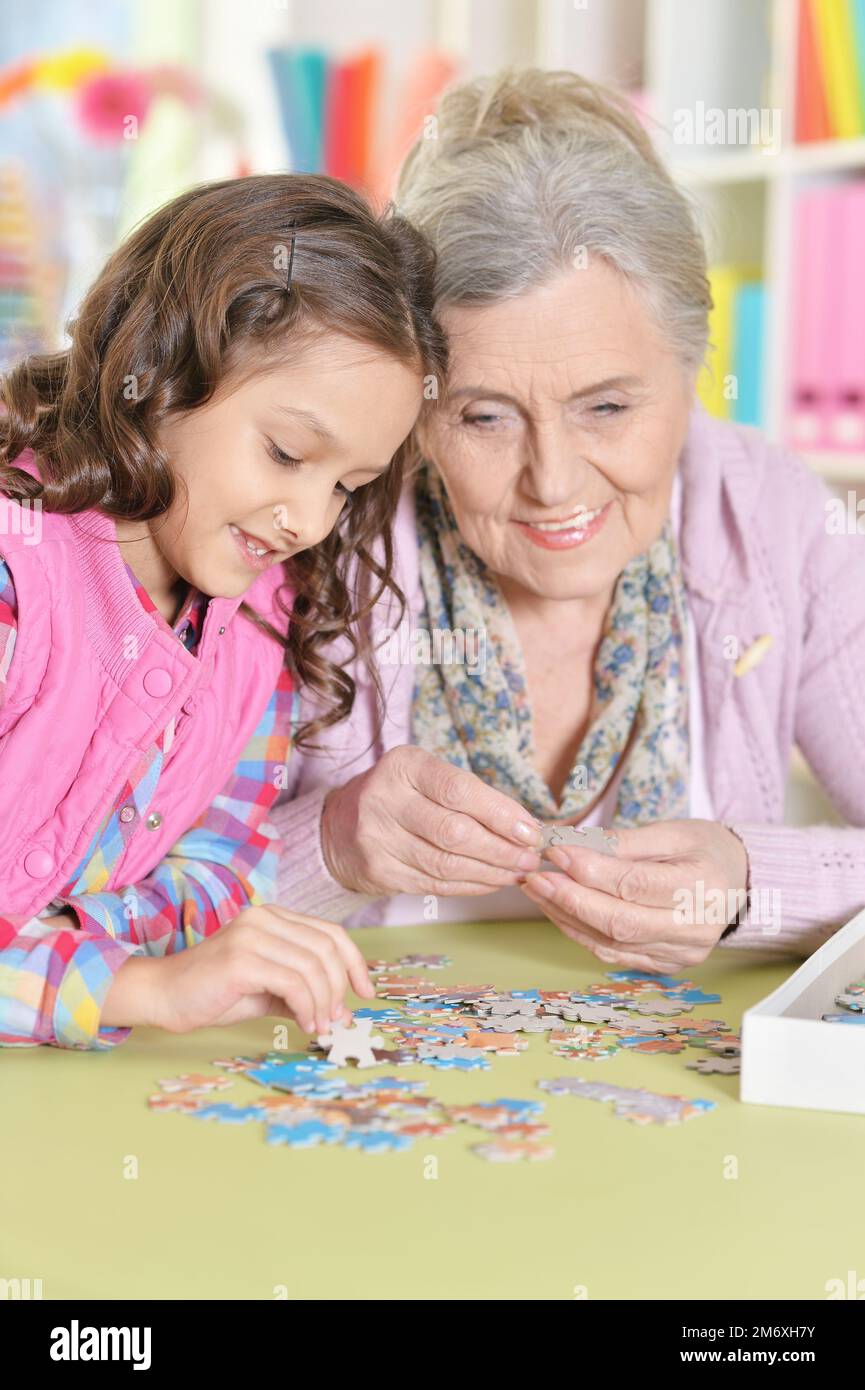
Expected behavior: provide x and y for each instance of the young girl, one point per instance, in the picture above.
(223, 436)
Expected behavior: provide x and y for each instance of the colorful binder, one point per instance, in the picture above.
(814, 295)
(812, 115)
(748, 324)
(836, 52)
(846, 423)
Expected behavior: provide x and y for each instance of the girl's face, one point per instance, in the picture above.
(266, 467)
(560, 433)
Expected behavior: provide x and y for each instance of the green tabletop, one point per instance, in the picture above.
(623, 1211)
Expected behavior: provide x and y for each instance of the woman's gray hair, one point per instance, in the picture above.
(523, 174)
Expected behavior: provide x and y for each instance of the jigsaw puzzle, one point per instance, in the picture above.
(308, 1099)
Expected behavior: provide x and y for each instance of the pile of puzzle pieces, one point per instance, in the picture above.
(461, 1026)
(852, 1004)
(639, 1106)
(310, 1098)
(307, 1102)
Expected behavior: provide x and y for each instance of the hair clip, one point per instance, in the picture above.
(290, 258)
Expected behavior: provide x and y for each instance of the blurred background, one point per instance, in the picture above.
(110, 107)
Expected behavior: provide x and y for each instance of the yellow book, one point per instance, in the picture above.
(715, 384)
(836, 49)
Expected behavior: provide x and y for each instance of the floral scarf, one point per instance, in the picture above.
(482, 721)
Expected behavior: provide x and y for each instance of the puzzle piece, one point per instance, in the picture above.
(586, 837)
(728, 1066)
(851, 1000)
(639, 1106)
(228, 1114)
(377, 1141)
(196, 1084)
(305, 1134)
(351, 1044)
(426, 962)
(182, 1101)
(238, 1065)
(513, 1150)
(666, 1008)
(502, 1044)
(457, 1063)
(395, 1056)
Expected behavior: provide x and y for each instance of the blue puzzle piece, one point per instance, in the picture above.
(380, 1015)
(289, 1076)
(387, 1083)
(456, 1063)
(845, 1018)
(428, 1032)
(693, 996)
(517, 1107)
(666, 981)
(430, 1006)
(305, 1134)
(228, 1114)
(526, 994)
(376, 1141)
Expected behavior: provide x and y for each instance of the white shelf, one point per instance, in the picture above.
(838, 467)
(744, 166)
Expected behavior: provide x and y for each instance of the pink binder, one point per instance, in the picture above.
(847, 411)
(814, 319)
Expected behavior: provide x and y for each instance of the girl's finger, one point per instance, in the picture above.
(293, 955)
(348, 951)
(269, 977)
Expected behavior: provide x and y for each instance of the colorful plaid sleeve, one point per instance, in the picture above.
(52, 986)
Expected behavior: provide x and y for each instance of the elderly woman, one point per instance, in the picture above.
(661, 610)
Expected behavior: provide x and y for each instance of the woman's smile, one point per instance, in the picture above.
(567, 532)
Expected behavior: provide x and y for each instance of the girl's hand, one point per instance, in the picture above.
(415, 824)
(266, 961)
(631, 910)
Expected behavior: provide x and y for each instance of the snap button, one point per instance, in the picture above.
(221, 631)
(127, 814)
(38, 863)
(157, 682)
(154, 820)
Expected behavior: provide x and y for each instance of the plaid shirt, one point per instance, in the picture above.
(54, 980)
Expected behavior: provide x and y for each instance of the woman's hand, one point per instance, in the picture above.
(266, 961)
(415, 824)
(646, 909)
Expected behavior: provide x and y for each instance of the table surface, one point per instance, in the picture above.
(622, 1211)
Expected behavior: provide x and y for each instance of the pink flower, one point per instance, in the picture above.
(105, 103)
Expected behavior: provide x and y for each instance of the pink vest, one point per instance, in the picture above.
(92, 683)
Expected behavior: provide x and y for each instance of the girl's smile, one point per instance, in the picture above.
(255, 553)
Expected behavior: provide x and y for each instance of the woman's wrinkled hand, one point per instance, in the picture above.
(416, 824)
(661, 904)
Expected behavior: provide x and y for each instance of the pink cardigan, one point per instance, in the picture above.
(756, 558)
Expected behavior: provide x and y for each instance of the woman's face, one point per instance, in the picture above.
(560, 430)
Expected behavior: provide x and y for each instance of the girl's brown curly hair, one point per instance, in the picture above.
(200, 290)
